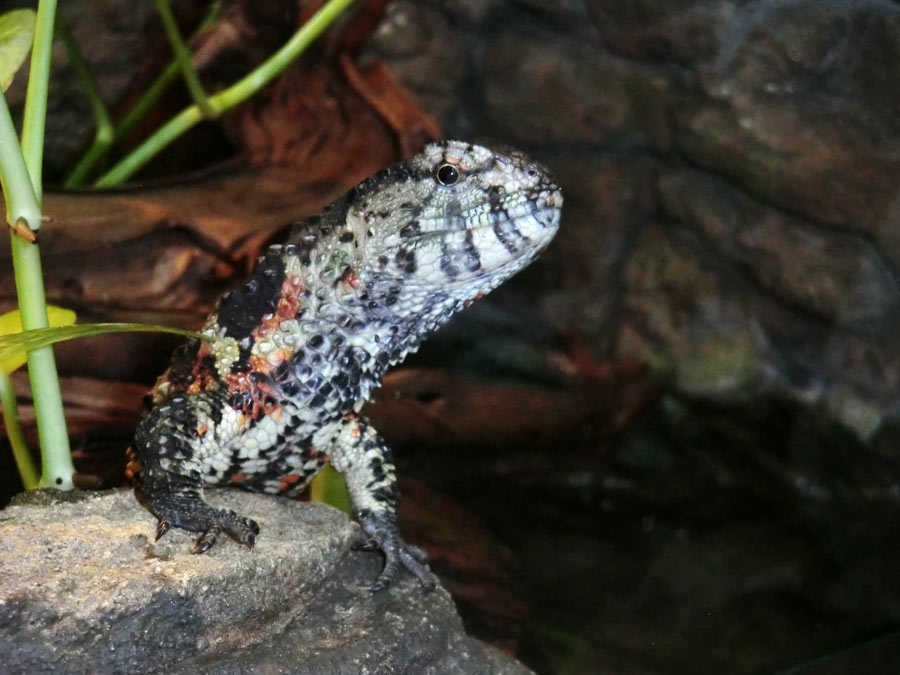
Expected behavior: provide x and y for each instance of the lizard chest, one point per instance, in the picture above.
(269, 430)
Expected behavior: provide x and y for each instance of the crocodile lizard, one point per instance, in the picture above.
(275, 390)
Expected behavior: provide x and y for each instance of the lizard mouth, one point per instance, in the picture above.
(547, 218)
(492, 249)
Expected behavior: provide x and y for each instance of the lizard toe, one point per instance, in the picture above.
(206, 540)
(398, 555)
(369, 544)
(243, 530)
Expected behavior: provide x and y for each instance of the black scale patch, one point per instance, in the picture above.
(241, 311)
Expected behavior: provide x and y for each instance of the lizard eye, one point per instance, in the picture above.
(446, 174)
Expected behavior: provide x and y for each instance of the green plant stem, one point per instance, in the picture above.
(227, 98)
(183, 58)
(143, 105)
(56, 457)
(153, 93)
(35, 115)
(20, 203)
(17, 190)
(21, 453)
(103, 135)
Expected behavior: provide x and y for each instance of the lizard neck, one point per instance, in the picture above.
(382, 318)
(379, 309)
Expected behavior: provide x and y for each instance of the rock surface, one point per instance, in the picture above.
(83, 589)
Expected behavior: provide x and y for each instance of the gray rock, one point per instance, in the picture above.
(83, 589)
(566, 12)
(682, 316)
(799, 108)
(431, 55)
(832, 274)
(670, 31)
(541, 88)
(731, 311)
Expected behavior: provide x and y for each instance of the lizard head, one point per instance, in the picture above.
(456, 217)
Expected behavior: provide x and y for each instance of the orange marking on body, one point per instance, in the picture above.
(287, 481)
(287, 307)
(238, 477)
(254, 394)
(475, 299)
(289, 303)
(258, 364)
(269, 323)
(349, 279)
(202, 377)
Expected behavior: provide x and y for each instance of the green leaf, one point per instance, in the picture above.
(10, 345)
(16, 35)
(11, 324)
(329, 488)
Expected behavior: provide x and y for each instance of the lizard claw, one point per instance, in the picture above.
(161, 528)
(384, 535)
(207, 539)
(243, 530)
(367, 545)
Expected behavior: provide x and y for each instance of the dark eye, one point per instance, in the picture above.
(446, 174)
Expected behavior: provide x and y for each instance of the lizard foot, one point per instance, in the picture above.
(384, 536)
(243, 530)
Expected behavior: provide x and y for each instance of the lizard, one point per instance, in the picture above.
(275, 389)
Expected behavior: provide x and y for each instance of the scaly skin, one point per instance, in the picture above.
(297, 349)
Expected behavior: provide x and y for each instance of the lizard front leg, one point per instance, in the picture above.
(362, 456)
(167, 478)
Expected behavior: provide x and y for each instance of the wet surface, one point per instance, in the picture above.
(706, 540)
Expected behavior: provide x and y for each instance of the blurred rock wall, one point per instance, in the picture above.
(730, 171)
